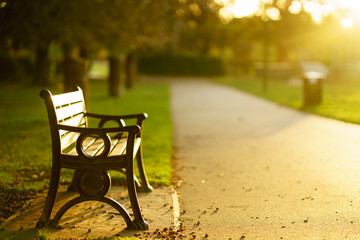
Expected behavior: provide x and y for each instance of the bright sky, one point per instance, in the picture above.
(348, 11)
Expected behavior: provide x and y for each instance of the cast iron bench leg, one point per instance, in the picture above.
(107, 200)
(50, 199)
(73, 187)
(138, 223)
(145, 185)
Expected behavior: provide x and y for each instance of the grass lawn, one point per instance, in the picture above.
(340, 100)
(25, 144)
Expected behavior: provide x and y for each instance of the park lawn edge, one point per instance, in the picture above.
(339, 98)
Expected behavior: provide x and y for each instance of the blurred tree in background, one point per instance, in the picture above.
(280, 31)
(28, 25)
(82, 29)
(198, 26)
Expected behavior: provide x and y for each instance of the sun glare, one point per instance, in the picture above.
(238, 8)
(347, 23)
(295, 7)
(242, 8)
(352, 10)
(347, 11)
(348, 3)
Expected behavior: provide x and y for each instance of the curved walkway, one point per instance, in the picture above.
(251, 169)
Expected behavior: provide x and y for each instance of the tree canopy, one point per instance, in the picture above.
(121, 26)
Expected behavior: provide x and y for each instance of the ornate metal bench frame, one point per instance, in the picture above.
(91, 152)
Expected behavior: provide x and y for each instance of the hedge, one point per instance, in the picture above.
(180, 64)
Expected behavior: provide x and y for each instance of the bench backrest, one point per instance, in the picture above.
(66, 109)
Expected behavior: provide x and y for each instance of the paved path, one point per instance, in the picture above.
(251, 169)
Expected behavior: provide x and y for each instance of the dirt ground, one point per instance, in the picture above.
(94, 219)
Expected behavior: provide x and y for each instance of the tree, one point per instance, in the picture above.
(78, 37)
(82, 28)
(198, 26)
(240, 36)
(28, 24)
(135, 26)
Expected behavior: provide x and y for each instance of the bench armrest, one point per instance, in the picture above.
(119, 119)
(135, 129)
(139, 117)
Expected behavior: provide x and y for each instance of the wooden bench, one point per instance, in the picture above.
(91, 152)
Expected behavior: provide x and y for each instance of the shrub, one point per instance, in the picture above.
(180, 64)
(8, 68)
(14, 69)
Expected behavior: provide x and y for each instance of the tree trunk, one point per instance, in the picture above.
(42, 65)
(282, 52)
(76, 74)
(266, 45)
(116, 77)
(131, 70)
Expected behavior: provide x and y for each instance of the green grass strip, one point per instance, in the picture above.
(340, 100)
(25, 144)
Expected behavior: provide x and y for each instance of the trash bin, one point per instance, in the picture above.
(312, 88)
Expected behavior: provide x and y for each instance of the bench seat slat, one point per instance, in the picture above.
(118, 146)
(68, 140)
(95, 148)
(121, 147)
(136, 146)
(76, 121)
(66, 98)
(69, 111)
(87, 144)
